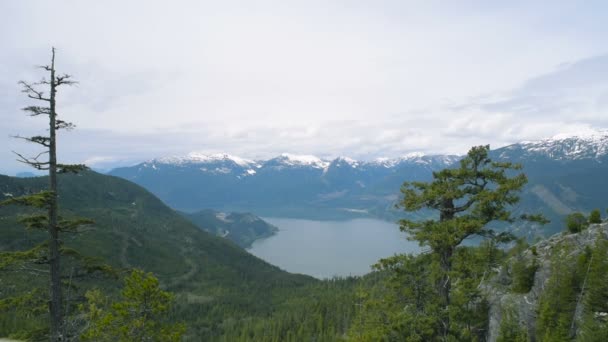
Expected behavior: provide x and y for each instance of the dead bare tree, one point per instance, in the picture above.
(48, 199)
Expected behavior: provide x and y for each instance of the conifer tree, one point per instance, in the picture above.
(466, 199)
(595, 216)
(142, 315)
(49, 252)
(576, 222)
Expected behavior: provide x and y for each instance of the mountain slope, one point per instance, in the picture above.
(566, 174)
(210, 275)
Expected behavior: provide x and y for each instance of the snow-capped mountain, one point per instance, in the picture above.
(566, 173)
(200, 158)
(591, 145)
(227, 182)
(229, 164)
(287, 160)
(220, 163)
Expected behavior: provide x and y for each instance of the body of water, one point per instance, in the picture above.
(324, 249)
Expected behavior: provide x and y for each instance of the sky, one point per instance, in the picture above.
(362, 79)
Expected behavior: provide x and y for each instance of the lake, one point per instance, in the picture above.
(324, 249)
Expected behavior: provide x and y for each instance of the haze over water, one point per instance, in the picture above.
(331, 248)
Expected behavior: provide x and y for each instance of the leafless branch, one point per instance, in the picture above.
(43, 81)
(45, 67)
(32, 93)
(33, 161)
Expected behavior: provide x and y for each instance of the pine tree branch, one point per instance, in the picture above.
(40, 222)
(44, 141)
(72, 225)
(37, 110)
(71, 168)
(40, 200)
(64, 79)
(60, 124)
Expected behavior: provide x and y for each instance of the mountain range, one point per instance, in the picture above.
(287, 186)
(566, 174)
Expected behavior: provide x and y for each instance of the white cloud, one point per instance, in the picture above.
(356, 78)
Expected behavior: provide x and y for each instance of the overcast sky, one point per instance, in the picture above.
(363, 79)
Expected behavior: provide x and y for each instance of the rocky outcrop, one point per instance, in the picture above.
(498, 289)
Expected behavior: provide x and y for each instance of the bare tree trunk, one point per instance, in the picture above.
(54, 243)
(445, 263)
(444, 288)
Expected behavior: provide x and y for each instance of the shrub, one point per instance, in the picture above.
(576, 222)
(595, 216)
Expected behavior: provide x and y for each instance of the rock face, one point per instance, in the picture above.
(498, 290)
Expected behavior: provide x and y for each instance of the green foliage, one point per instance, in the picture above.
(576, 222)
(467, 198)
(39, 200)
(596, 296)
(595, 216)
(21, 310)
(558, 300)
(36, 254)
(595, 322)
(510, 328)
(523, 275)
(140, 316)
(402, 305)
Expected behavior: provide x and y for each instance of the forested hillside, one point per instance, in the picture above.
(220, 288)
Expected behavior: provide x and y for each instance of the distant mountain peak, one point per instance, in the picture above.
(586, 134)
(342, 160)
(586, 144)
(302, 160)
(201, 158)
(413, 155)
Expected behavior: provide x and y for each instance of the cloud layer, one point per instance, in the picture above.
(309, 77)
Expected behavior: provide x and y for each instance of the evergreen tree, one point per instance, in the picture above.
(466, 199)
(595, 216)
(142, 315)
(576, 222)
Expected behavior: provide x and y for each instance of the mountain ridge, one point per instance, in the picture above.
(596, 140)
(565, 175)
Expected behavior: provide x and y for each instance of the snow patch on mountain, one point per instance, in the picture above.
(588, 144)
(346, 160)
(417, 158)
(200, 158)
(302, 160)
